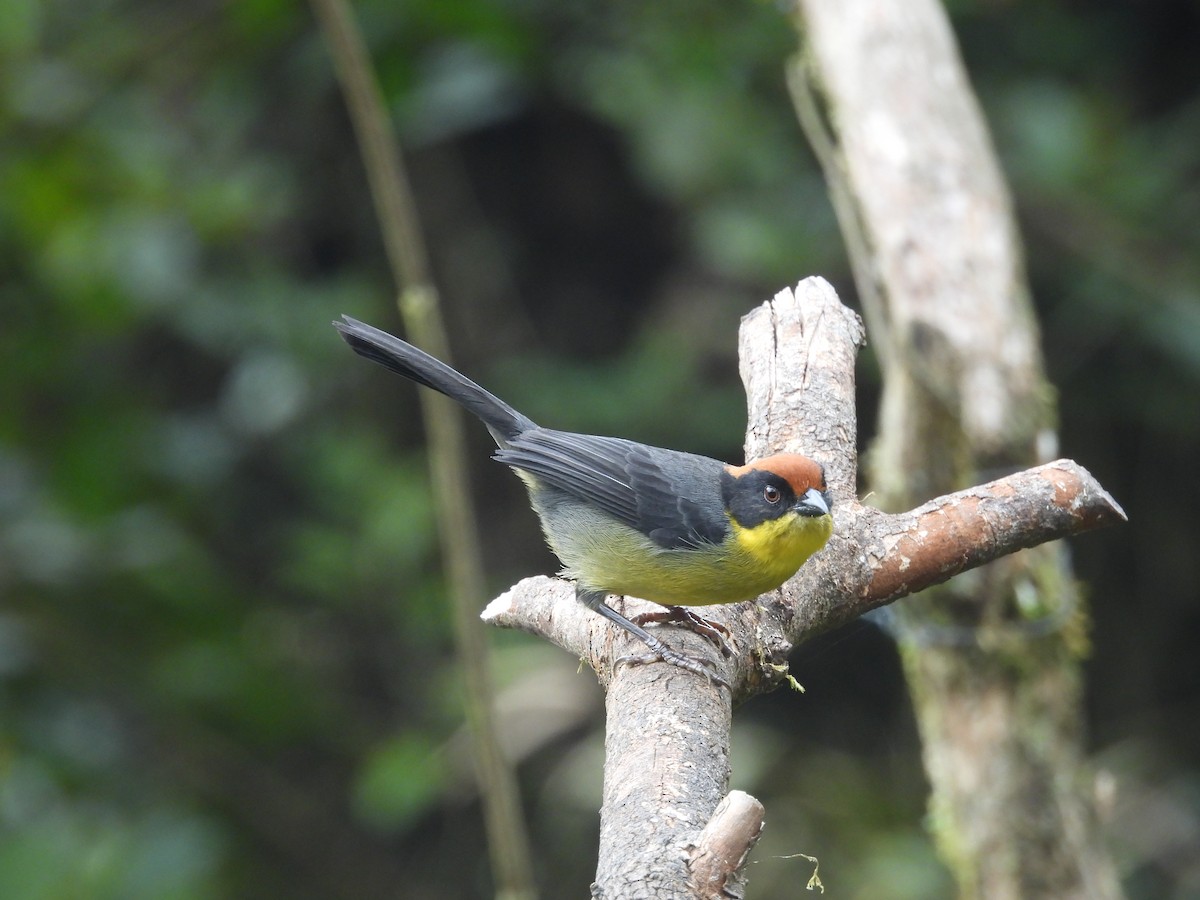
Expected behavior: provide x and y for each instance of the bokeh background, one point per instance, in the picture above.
(225, 660)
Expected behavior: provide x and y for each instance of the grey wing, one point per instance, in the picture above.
(671, 497)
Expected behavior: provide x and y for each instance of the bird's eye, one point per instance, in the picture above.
(771, 493)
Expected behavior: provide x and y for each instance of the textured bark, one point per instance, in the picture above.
(993, 658)
(656, 799)
(667, 764)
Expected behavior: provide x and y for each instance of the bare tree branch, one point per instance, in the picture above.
(666, 767)
(873, 557)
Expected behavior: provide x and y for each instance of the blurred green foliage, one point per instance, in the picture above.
(223, 654)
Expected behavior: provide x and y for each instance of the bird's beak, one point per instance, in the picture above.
(814, 503)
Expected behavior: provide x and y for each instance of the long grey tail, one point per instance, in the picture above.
(401, 357)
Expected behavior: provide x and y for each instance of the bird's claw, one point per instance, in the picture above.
(698, 666)
(680, 615)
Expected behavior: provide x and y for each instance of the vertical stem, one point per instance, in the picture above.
(419, 308)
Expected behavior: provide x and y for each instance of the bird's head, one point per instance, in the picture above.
(779, 505)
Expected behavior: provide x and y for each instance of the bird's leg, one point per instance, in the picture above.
(595, 600)
(681, 615)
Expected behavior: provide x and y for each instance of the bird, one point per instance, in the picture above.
(628, 519)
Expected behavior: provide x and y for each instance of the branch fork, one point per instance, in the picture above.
(797, 362)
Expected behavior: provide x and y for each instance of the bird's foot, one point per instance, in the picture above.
(595, 600)
(681, 615)
(665, 654)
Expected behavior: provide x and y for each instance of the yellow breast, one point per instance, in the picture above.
(778, 547)
(751, 561)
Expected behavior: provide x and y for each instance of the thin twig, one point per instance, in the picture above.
(419, 308)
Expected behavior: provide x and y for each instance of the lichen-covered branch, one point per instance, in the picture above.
(882, 91)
